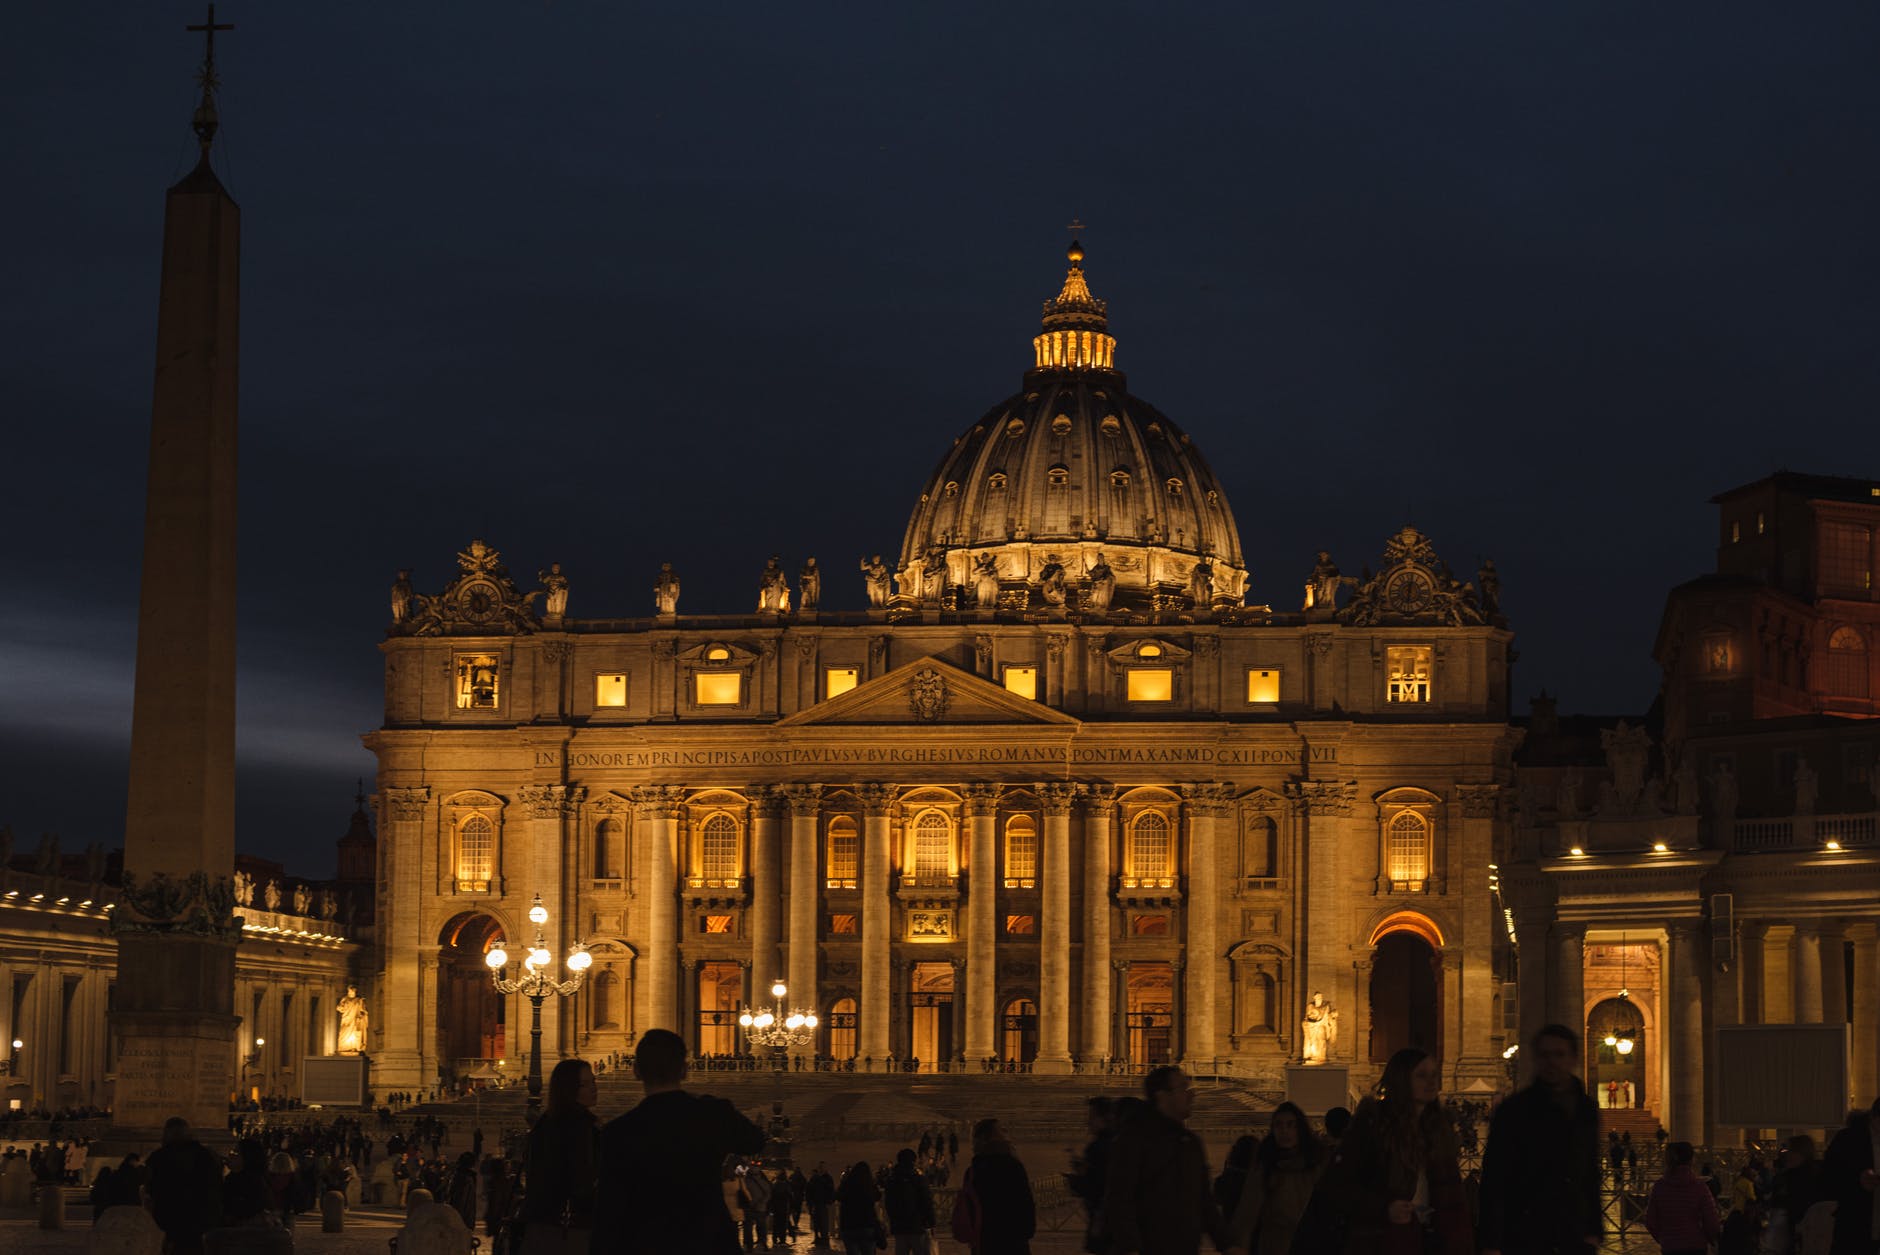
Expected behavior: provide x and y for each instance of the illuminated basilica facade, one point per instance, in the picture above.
(1061, 796)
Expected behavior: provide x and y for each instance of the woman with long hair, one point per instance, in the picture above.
(1279, 1182)
(857, 1221)
(1394, 1186)
(563, 1165)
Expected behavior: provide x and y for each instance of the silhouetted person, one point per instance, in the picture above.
(1008, 1216)
(1849, 1178)
(563, 1162)
(1159, 1200)
(185, 1184)
(662, 1162)
(1540, 1171)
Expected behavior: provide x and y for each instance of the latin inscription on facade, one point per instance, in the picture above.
(863, 755)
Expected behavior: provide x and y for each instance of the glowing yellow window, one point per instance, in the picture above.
(719, 688)
(477, 682)
(839, 680)
(1021, 925)
(1407, 670)
(1023, 681)
(1262, 686)
(717, 653)
(610, 690)
(715, 924)
(1151, 684)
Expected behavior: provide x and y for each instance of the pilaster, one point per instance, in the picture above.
(982, 801)
(1054, 1026)
(877, 911)
(805, 802)
(766, 878)
(1686, 1037)
(658, 809)
(1206, 803)
(1098, 1044)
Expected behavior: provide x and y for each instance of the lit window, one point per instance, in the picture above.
(1736, 533)
(476, 854)
(476, 682)
(1717, 655)
(1408, 670)
(719, 688)
(1021, 925)
(1761, 524)
(933, 847)
(1262, 687)
(610, 690)
(1151, 684)
(839, 680)
(718, 848)
(717, 653)
(715, 924)
(1149, 864)
(1021, 852)
(1150, 650)
(842, 924)
(1407, 850)
(844, 851)
(1845, 673)
(1023, 681)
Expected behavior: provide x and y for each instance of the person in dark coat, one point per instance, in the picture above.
(1091, 1171)
(856, 1221)
(1540, 1171)
(562, 1164)
(1008, 1218)
(909, 1204)
(1159, 1199)
(819, 1192)
(662, 1162)
(185, 1184)
(1848, 1178)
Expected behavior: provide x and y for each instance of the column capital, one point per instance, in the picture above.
(1208, 797)
(877, 799)
(1562, 929)
(1451, 958)
(1099, 798)
(1057, 797)
(406, 804)
(551, 801)
(1325, 797)
(1479, 801)
(981, 799)
(658, 801)
(1807, 927)
(766, 799)
(804, 799)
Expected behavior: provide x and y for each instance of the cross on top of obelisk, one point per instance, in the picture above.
(1075, 227)
(205, 122)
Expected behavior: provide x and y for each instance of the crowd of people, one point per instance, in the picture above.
(56, 1115)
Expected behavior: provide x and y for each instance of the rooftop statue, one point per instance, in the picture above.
(666, 590)
(401, 597)
(1102, 585)
(986, 581)
(773, 588)
(555, 604)
(809, 584)
(877, 574)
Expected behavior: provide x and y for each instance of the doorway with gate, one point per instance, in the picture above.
(932, 1004)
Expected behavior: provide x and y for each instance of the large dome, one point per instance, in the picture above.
(1074, 474)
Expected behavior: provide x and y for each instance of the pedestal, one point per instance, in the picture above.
(1317, 1088)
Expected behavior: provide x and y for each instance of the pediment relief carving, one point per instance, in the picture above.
(718, 656)
(932, 691)
(1148, 651)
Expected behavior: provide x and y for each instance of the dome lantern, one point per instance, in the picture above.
(1076, 331)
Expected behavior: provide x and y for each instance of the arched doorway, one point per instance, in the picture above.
(1406, 995)
(720, 993)
(932, 997)
(471, 1015)
(840, 1024)
(1149, 1013)
(1018, 1036)
(1615, 1053)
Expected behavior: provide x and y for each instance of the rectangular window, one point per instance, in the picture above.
(842, 924)
(1407, 668)
(839, 680)
(477, 682)
(1846, 559)
(1021, 925)
(715, 925)
(845, 848)
(1023, 681)
(1151, 684)
(1262, 686)
(610, 690)
(718, 688)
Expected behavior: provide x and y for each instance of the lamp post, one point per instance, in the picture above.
(252, 1060)
(775, 1027)
(13, 1059)
(537, 985)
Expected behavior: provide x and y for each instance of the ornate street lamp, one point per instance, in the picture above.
(776, 1028)
(12, 1062)
(537, 985)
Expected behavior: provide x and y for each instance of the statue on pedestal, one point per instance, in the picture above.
(1201, 585)
(244, 889)
(773, 589)
(666, 590)
(303, 900)
(352, 1023)
(1321, 1030)
(1488, 588)
(556, 603)
(1102, 585)
(271, 896)
(1322, 585)
(809, 585)
(1051, 581)
(877, 574)
(986, 581)
(401, 597)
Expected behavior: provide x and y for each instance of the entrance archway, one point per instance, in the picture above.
(1149, 1013)
(932, 996)
(1406, 995)
(1615, 1075)
(1018, 1036)
(471, 1015)
(720, 993)
(840, 1023)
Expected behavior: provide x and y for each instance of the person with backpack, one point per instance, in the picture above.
(994, 1214)
(909, 1205)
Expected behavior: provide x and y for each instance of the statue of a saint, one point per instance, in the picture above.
(94, 863)
(877, 573)
(1807, 787)
(1322, 585)
(933, 576)
(556, 584)
(986, 581)
(666, 590)
(1320, 1030)
(1201, 585)
(329, 905)
(1684, 784)
(303, 900)
(1567, 797)
(1102, 585)
(244, 889)
(271, 896)
(352, 1023)
(401, 597)
(773, 589)
(1488, 588)
(1051, 581)
(1722, 792)
(809, 585)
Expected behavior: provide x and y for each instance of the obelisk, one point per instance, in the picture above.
(175, 924)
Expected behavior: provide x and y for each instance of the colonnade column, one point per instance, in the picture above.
(1099, 811)
(766, 878)
(400, 924)
(1054, 958)
(1805, 965)
(658, 806)
(872, 1040)
(1833, 972)
(1864, 1072)
(1568, 979)
(982, 802)
(1686, 1038)
(805, 802)
(1749, 952)
(1206, 802)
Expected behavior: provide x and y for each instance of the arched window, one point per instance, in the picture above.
(1261, 1011)
(1407, 850)
(842, 1029)
(1260, 854)
(1150, 849)
(718, 848)
(1021, 852)
(845, 849)
(933, 847)
(603, 1000)
(1845, 671)
(609, 850)
(476, 854)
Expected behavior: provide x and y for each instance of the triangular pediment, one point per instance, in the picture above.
(929, 691)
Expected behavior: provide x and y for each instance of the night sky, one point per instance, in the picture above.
(612, 284)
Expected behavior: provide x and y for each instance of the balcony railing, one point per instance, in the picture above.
(1806, 832)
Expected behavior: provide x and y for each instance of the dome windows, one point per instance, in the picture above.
(1111, 425)
(1061, 425)
(1119, 478)
(1174, 486)
(1058, 476)
(953, 488)
(996, 481)
(1015, 428)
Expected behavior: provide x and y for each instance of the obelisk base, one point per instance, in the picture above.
(175, 1058)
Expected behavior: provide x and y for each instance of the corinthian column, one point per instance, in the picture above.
(1206, 803)
(1686, 1005)
(1805, 967)
(1569, 976)
(805, 801)
(400, 929)
(658, 806)
(766, 876)
(982, 879)
(1099, 811)
(877, 909)
(1054, 1027)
